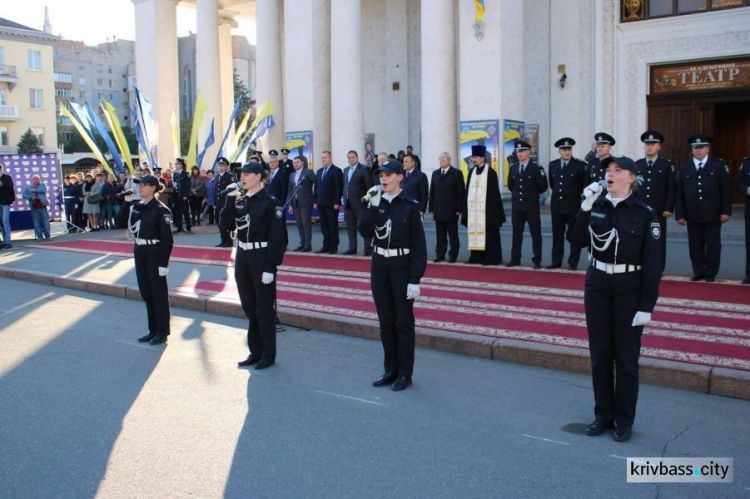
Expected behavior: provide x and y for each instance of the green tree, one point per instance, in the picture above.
(29, 143)
(240, 90)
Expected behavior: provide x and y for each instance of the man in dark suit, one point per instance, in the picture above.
(415, 183)
(221, 181)
(703, 201)
(567, 179)
(329, 186)
(446, 204)
(657, 189)
(278, 182)
(302, 202)
(357, 180)
(526, 181)
(181, 182)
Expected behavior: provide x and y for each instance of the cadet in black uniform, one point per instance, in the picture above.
(567, 178)
(703, 200)
(258, 219)
(743, 185)
(150, 222)
(604, 143)
(658, 186)
(526, 181)
(286, 164)
(622, 285)
(222, 180)
(399, 260)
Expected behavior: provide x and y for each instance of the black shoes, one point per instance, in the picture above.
(368, 252)
(572, 267)
(439, 259)
(452, 260)
(248, 361)
(264, 364)
(350, 252)
(622, 433)
(298, 248)
(402, 382)
(323, 250)
(697, 278)
(746, 281)
(598, 427)
(386, 379)
(512, 264)
(537, 266)
(307, 250)
(147, 338)
(158, 340)
(553, 266)
(710, 279)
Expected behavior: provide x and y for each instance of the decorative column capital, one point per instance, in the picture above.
(227, 17)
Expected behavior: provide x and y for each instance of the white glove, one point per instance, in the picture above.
(412, 291)
(591, 193)
(641, 318)
(267, 278)
(235, 190)
(375, 194)
(163, 271)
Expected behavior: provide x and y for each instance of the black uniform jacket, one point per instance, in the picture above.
(657, 189)
(181, 181)
(156, 224)
(407, 231)
(279, 185)
(221, 182)
(415, 187)
(526, 187)
(743, 183)
(703, 197)
(567, 185)
(594, 171)
(447, 194)
(639, 231)
(266, 224)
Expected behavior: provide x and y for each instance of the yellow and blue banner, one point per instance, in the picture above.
(86, 137)
(263, 121)
(474, 133)
(200, 108)
(223, 145)
(479, 6)
(105, 135)
(114, 124)
(209, 142)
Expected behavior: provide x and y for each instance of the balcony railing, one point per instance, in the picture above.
(9, 113)
(7, 71)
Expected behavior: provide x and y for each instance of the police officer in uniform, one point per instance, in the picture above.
(286, 164)
(657, 189)
(743, 186)
(567, 178)
(526, 181)
(222, 180)
(604, 143)
(703, 201)
(622, 285)
(258, 219)
(399, 260)
(150, 223)
(181, 182)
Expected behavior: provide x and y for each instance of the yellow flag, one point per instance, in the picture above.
(114, 124)
(86, 137)
(175, 134)
(200, 108)
(234, 139)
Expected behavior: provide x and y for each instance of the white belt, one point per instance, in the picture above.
(391, 252)
(612, 268)
(70, 197)
(146, 242)
(251, 246)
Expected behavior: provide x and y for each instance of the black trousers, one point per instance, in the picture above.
(389, 278)
(561, 227)
(611, 301)
(329, 226)
(223, 234)
(70, 214)
(747, 242)
(196, 209)
(153, 288)
(704, 242)
(182, 211)
(520, 218)
(445, 231)
(351, 216)
(257, 303)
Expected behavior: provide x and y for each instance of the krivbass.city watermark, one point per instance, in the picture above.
(680, 469)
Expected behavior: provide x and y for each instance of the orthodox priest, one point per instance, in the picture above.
(483, 212)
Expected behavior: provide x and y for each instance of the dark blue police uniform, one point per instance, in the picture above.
(221, 182)
(567, 183)
(743, 184)
(526, 183)
(181, 183)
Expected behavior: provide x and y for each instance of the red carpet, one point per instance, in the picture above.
(698, 323)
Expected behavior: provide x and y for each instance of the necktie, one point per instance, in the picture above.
(325, 170)
(522, 167)
(562, 165)
(351, 172)
(273, 174)
(650, 163)
(442, 172)
(700, 166)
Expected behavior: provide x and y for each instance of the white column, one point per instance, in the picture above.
(347, 120)
(226, 72)
(268, 64)
(439, 125)
(208, 77)
(156, 66)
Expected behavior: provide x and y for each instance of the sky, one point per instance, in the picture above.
(94, 21)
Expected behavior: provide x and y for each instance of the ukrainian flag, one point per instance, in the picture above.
(479, 5)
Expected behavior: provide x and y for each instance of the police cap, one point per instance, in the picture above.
(652, 137)
(700, 140)
(522, 145)
(147, 180)
(390, 166)
(565, 143)
(222, 161)
(604, 138)
(478, 151)
(285, 151)
(273, 152)
(252, 167)
(622, 161)
(179, 161)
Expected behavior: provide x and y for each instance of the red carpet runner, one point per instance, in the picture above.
(699, 323)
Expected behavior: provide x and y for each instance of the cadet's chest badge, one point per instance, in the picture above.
(656, 230)
(168, 219)
(279, 212)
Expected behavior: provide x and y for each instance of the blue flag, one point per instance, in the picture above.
(105, 135)
(209, 142)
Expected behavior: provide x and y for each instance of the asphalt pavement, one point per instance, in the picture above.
(87, 411)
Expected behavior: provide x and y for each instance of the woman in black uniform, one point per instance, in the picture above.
(258, 221)
(399, 260)
(150, 223)
(622, 285)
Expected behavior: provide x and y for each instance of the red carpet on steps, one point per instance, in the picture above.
(699, 323)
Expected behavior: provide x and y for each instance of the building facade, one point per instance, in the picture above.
(27, 90)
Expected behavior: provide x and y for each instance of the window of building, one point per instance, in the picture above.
(39, 132)
(99, 68)
(3, 135)
(639, 10)
(82, 81)
(82, 94)
(100, 82)
(35, 60)
(36, 98)
(64, 92)
(110, 83)
(65, 121)
(2, 57)
(3, 96)
(63, 78)
(109, 69)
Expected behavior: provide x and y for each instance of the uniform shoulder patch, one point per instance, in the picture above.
(655, 230)
(279, 211)
(541, 170)
(168, 218)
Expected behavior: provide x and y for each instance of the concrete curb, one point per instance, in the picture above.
(702, 379)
